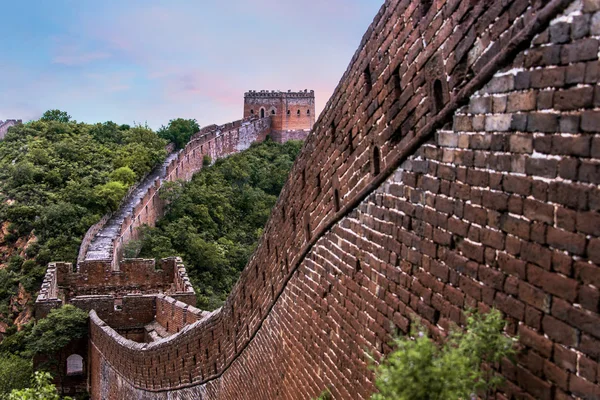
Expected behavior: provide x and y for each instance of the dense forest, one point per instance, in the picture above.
(214, 221)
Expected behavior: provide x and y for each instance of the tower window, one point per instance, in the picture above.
(368, 81)
(438, 95)
(376, 161)
(333, 132)
(252, 112)
(288, 112)
(307, 112)
(425, 6)
(262, 112)
(298, 112)
(336, 200)
(272, 112)
(396, 78)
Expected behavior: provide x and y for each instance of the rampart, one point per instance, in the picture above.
(456, 165)
(4, 125)
(97, 282)
(104, 241)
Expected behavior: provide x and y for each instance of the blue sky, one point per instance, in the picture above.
(151, 60)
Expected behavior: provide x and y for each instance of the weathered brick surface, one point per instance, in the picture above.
(482, 212)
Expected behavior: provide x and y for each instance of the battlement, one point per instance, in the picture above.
(64, 283)
(280, 94)
(4, 125)
(104, 241)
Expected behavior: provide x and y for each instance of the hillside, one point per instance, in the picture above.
(214, 221)
(57, 178)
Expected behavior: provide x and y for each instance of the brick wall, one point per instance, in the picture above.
(4, 125)
(456, 165)
(214, 141)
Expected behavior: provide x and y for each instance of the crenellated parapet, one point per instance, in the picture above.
(143, 206)
(276, 94)
(64, 283)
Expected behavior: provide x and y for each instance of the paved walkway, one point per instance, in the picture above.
(101, 247)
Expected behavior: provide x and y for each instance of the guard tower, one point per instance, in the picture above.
(292, 113)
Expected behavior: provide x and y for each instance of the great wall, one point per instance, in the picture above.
(4, 125)
(456, 165)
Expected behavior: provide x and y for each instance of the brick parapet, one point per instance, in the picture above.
(5, 125)
(389, 214)
(216, 141)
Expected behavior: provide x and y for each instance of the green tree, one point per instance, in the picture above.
(124, 175)
(419, 369)
(56, 115)
(179, 131)
(15, 373)
(112, 192)
(61, 326)
(42, 389)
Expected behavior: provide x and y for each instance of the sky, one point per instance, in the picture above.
(149, 61)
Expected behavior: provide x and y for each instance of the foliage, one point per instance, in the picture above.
(206, 160)
(57, 178)
(48, 335)
(124, 175)
(54, 332)
(325, 395)
(179, 131)
(111, 192)
(56, 115)
(15, 373)
(42, 389)
(214, 221)
(420, 370)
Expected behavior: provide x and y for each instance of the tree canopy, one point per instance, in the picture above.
(56, 115)
(179, 131)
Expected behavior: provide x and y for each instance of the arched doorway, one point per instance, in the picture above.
(74, 364)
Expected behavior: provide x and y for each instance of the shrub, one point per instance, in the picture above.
(206, 160)
(42, 389)
(15, 373)
(124, 175)
(419, 369)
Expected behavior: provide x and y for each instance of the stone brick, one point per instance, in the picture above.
(521, 101)
(568, 241)
(542, 122)
(552, 282)
(559, 331)
(582, 50)
(548, 77)
(535, 297)
(573, 99)
(498, 123)
(480, 105)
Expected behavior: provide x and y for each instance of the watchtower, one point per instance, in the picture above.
(292, 113)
